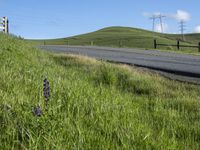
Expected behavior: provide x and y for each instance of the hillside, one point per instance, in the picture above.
(124, 37)
(93, 104)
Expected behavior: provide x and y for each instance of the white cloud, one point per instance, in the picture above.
(182, 15)
(197, 29)
(158, 27)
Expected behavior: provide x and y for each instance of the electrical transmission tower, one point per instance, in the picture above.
(182, 29)
(160, 17)
(153, 18)
(161, 21)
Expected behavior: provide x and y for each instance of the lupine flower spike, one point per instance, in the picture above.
(38, 111)
(47, 92)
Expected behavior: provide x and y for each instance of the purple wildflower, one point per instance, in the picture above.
(38, 111)
(47, 92)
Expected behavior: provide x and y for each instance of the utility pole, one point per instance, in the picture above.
(5, 24)
(182, 29)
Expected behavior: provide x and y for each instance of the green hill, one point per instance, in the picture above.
(93, 104)
(125, 37)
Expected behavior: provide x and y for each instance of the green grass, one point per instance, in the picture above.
(128, 38)
(93, 104)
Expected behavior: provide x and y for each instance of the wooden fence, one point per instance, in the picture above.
(178, 45)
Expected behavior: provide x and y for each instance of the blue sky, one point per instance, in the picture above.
(63, 18)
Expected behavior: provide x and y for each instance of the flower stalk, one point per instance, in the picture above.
(47, 92)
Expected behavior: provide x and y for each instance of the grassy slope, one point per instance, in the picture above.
(94, 105)
(126, 37)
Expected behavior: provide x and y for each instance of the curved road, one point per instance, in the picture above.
(182, 67)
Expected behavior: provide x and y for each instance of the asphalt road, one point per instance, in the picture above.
(183, 67)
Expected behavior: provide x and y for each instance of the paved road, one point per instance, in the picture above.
(177, 66)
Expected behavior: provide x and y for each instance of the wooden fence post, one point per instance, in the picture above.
(199, 46)
(178, 44)
(155, 44)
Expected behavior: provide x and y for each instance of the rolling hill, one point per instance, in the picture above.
(124, 37)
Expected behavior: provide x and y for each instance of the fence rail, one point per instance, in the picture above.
(178, 45)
